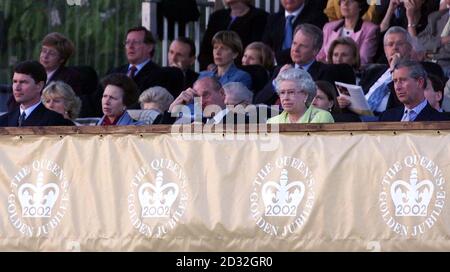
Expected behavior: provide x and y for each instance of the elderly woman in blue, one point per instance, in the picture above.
(119, 92)
(227, 46)
(297, 89)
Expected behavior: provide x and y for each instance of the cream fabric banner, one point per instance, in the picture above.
(330, 191)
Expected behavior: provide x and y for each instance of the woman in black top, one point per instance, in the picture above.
(242, 17)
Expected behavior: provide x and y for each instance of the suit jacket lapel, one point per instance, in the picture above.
(316, 69)
(313, 68)
(35, 117)
(424, 115)
(13, 118)
(146, 70)
(55, 74)
(399, 113)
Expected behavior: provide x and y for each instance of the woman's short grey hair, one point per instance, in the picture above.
(302, 80)
(238, 91)
(158, 95)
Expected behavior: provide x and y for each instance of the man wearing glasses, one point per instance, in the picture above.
(139, 49)
(55, 52)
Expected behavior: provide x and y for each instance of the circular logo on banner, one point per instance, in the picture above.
(412, 195)
(38, 199)
(157, 198)
(282, 197)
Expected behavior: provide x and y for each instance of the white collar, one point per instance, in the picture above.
(295, 13)
(29, 110)
(50, 74)
(138, 66)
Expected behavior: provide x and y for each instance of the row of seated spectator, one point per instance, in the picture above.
(302, 101)
(365, 23)
(305, 48)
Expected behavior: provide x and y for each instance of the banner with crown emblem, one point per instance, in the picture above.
(333, 191)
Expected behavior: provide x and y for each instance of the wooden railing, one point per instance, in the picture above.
(252, 128)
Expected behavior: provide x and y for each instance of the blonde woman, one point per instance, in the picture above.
(60, 97)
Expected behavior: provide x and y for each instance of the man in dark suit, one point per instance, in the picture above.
(306, 45)
(182, 55)
(140, 48)
(28, 81)
(410, 79)
(298, 12)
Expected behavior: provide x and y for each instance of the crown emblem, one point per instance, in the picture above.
(38, 200)
(411, 199)
(156, 200)
(281, 198)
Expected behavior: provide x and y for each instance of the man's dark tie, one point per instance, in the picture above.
(132, 71)
(22, 118)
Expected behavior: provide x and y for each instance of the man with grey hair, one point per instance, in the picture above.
(297, 89)
(306, 45)
(410, 79)
(376, 79)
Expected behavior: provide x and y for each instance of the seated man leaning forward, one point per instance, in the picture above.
(204, 102)
(297, 89)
